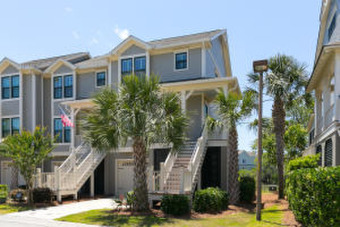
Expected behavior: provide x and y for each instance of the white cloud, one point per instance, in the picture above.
(75, 35)
(94, 41)
(122, 33)
(68, 9)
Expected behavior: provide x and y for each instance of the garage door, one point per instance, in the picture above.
(7, 173)
(124, 176)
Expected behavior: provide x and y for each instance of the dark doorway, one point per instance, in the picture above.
(99, 179)
(160, 155)
(211, 169)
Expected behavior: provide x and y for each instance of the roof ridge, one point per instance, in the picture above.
(55, 57)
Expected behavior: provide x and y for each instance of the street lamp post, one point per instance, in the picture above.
(259, 67)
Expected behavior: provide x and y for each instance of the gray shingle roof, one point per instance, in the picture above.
(44, 63)
(185, 38)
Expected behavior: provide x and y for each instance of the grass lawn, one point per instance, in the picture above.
(10, 208)
(271, 216)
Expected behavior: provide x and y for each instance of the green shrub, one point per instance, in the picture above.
(175, 204)
(310, 161)
(3, 191)
(210, 200)
(247, 189)
(314, 195)
(42, 195)
(130, 198)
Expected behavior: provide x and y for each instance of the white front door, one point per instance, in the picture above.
(7, 172)
(124, 170)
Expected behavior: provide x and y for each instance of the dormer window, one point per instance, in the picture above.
(140, 65)
(332, 27)
(181, 60)
(133, 65)
(63, 87)
(127, 66)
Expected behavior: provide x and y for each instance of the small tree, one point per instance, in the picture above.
(27, 150)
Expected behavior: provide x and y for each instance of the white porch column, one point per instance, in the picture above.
(74, 113)
(92, 185)
(337, 86)
(183, 101)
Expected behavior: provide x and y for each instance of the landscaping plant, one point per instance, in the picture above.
(42, 195)
(3, 193)
(175, 204)
(247, 189)
(210, 200)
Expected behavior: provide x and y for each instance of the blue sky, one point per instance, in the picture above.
(256, 29)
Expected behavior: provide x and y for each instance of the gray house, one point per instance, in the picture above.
(246, 160)
(324, 125)
(195, 66)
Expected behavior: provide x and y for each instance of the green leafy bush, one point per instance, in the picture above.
(310, 161)
(247, 189)
(210, 200)
(175, 204)
(42, 195)
(130, 198)
(3, 193)
(314, 195)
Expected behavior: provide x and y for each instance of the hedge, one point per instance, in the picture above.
(314, 195)
(247, 189)
(42, 195)
(175, 204)
(310, 161)
(211, 200)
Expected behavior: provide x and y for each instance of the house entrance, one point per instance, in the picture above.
(211, 169)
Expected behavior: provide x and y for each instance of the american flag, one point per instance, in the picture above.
(65, 120)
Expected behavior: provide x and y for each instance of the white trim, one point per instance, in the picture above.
(126, 42)
(203, 109)
(132, 57)
(119, 72)
(62, 136)
(34, 99)
(53, 163)
(51, 69)
(10, 117)
(73, 74)
(147, 63)
(106, 78)
(109, 74)
(21, 98)
(42, 100)
(178, 52)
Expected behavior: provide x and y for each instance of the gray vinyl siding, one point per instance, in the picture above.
(38, 100)
(86, 85)
(163, 66)
(114, 74)
(210, 66)
(27, 103)
(110, 170)
(62, 148)
(47, 104)
(56, 108)
(10, 107)
(133, 50)
(217, 52)
(194, 111)
(48, 163)
(10, 70)
(63, 70)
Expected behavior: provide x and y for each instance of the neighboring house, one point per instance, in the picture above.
(324, 125)
(195, 66)
(246, 160)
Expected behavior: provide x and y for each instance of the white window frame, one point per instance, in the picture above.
(133, 63)
(106, 77)
(179, 52)
(10, 122)
(20, 84)
(62, 136)
(63, 85)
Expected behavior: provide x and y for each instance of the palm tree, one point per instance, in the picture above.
(285, 81)
(231, 109)
(139, 111)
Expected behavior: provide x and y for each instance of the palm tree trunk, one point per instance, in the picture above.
(279, 115)
(233, 184)
(140, 175)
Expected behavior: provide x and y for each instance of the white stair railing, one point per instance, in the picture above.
(166, 168)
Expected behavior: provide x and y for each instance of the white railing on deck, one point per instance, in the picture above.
(329, 116)
(166, 168)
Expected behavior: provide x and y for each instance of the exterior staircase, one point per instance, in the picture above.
(73, 173)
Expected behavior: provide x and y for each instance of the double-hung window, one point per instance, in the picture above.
(10, 87)
(63, 87)
(126, 66)
(140, 65)
(10, 126)
(62, 134)
(181, 61)
(100, 79)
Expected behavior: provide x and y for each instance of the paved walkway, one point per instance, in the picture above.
(45, 216)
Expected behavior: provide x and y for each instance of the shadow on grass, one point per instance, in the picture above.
(112, 219)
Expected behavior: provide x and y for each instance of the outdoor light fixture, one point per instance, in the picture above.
(259, 67)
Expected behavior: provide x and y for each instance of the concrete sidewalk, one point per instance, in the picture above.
(46, 216)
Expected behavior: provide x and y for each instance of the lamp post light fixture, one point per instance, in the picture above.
(259, 67)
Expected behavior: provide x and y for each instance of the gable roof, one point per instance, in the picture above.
(44, 63)
(198, 37)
